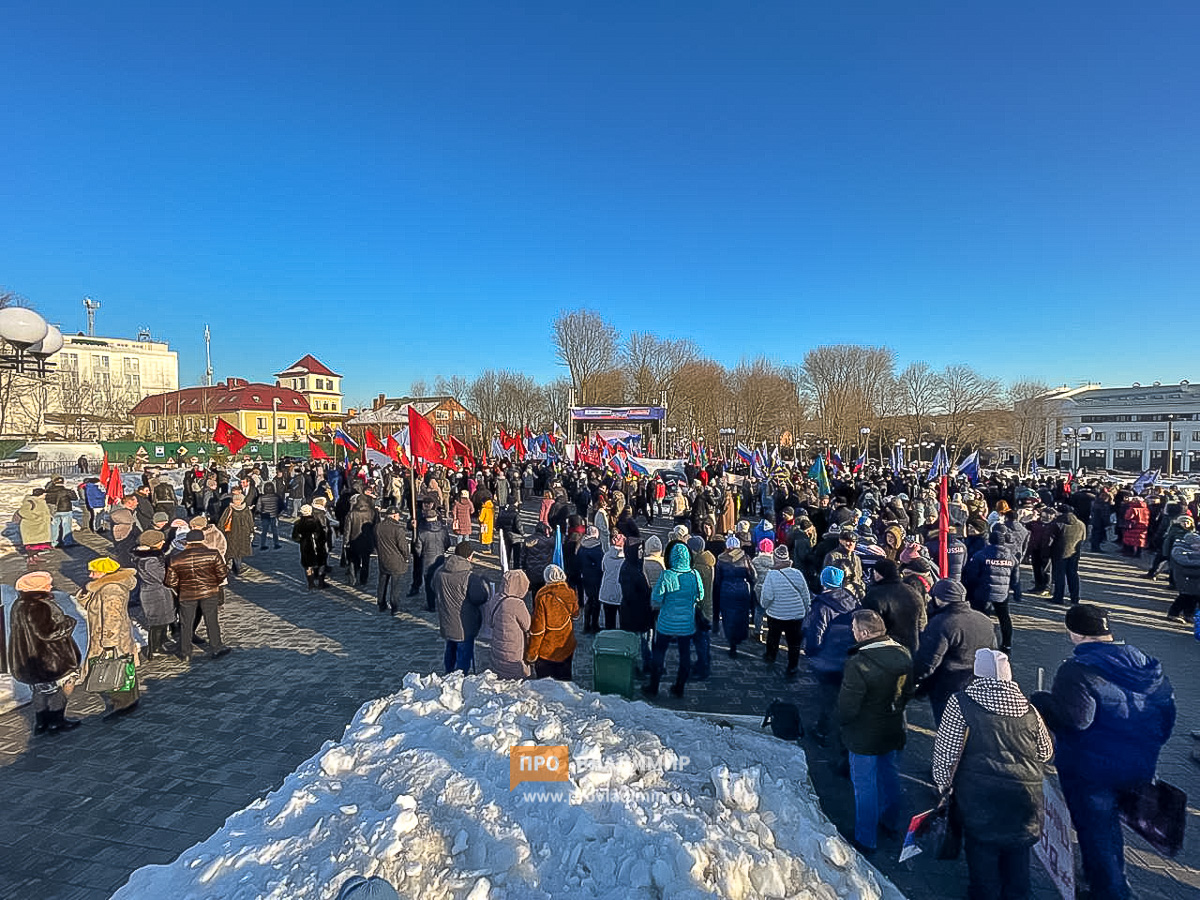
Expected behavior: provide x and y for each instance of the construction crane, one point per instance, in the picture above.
(91, 306)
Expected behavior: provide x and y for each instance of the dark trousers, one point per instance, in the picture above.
(1097, 824)
(995, 872)
(1066, 576)
(1184, 605)
(658, 658)
(1040, 561)
(702, 641)
(383, 592)
(829, 684)
(92, 515)
(360, 563)
(591, 611)
(1159, 559)
(789, 628)
(610, 615)
(1005, 620)
(187, 614)
(559, 671)
(1099, 535)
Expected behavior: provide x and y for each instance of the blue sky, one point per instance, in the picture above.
(411, 190)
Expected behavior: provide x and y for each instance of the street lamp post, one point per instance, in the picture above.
(1170, 445)
(1075, 435)
(866, 436)
(275, 430)
(727, 441)
(900, 443)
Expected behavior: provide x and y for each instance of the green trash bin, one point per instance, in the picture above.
(614, 657)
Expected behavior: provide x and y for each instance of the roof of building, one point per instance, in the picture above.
(231, 395)
(308, 364)
(393, 410)
(1132, 394)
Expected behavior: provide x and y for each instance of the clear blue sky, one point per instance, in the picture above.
(411, 190)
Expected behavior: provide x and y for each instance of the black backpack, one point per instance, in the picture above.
(784, 719)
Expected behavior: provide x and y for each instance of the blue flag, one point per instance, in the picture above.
(557, 558)
(820, 476)
(1147, 479)
(940, 465)
(970, 468)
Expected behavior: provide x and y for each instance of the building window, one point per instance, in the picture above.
(1160, 436)
(154, 426)
(442, 430)
(1196, 435)
(441, 415)
(281, 423)
(188, 425)
(262, 423)
(1175, 436)
(459, 415)
(1097, 435)
(300, 425)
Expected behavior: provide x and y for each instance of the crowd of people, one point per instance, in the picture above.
(848, 578)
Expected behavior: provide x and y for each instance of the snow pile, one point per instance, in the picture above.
(418, 792)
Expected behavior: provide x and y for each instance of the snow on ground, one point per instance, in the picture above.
(417, 792)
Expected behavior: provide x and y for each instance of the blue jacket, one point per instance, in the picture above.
(93, 495)
(827, 634)
(956, 556)
(676, 594)
(1111, 709)
(990, 575)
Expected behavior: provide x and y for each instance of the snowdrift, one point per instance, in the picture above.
(418, 792)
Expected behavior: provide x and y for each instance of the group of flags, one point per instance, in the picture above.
(110, 480)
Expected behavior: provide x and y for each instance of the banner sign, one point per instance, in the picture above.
(626, 413)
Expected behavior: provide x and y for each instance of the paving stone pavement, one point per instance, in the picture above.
(209, 739)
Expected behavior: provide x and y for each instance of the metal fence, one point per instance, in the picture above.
(12, 468)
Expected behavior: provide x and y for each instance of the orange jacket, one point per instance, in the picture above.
(552, 631)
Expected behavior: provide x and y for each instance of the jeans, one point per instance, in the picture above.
(60, 529)
(270, 525)
(876, 794)
(1066, 575)
(1097, 824)
(658, 657)
(460, 655)
(995, 872)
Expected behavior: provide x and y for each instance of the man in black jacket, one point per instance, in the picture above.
(900, 606)
(61, 500)
(433, 540)
(392, 544)
(945, 660)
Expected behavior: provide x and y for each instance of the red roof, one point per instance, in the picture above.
(310, 364)
(232, 395)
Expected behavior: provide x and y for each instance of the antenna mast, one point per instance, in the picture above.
(91, 306)
(208, 369)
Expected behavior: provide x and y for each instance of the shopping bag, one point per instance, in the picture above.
(109, 673)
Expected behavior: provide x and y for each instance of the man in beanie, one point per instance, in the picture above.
(899, 605)
(392, 545)
(945, 660)
(876, 686)
(196, 574)
(991, 750)
(845, 557)
(1111, 709)
(461, 593)
(990, 576)
(827, 641)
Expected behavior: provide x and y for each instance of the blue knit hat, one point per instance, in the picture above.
(832, 577)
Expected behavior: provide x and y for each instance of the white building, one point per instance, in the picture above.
(1126, 428)
(138, 368)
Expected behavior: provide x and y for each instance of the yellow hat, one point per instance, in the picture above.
(104, 565)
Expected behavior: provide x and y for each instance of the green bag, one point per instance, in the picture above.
(109, 674)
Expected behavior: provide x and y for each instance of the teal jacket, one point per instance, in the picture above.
(676, 594)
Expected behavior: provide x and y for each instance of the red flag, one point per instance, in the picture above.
(114, 489)
(458, 448)
(315, 451)
(104, 471)
(371, 442)
(943, 527)
(226, 434)
(392, 448)
(424, 442)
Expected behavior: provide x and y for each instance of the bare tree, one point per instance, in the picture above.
(764, 400)
(962, 393)
(916, 397)
(1032, 412)
(652, 365)
(587, 345)
(849, 386)
(418, 388)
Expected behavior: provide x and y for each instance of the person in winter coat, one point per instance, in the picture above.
(611, 594)
(269, 507)
(460, 514)
(590, 560)
(786, 601)
(827, 640)
(956, 552)
(1181, 524)
(537, 553)
(360, 537)
(991, 749)
(705, 564)
(196, 575)
(237, 523)
(41, 651)
(61, 500)
(156, 599)
(433, 540)
(652, 560)
(847, 559)
(34, 517)
(1042, 530)
(105, 601)
(636, 616)
(94, 500)
(945, 661)
(733, 585)
(762, 563)
(1065, 546)
(1185, 572)
(313, 540)
(876, 686)
(1101, 512)
(1110, 709)
(393, 545)
(1137, 527)
(675, 596)
(552, 629)
(509, 619)
(461, 594)
(508, 525)
(901, 607)
(990, 577)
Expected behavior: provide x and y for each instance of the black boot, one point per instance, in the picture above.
(677, 689)
(40, 726)
(311, 579)
(56, 721)
(650, 688)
